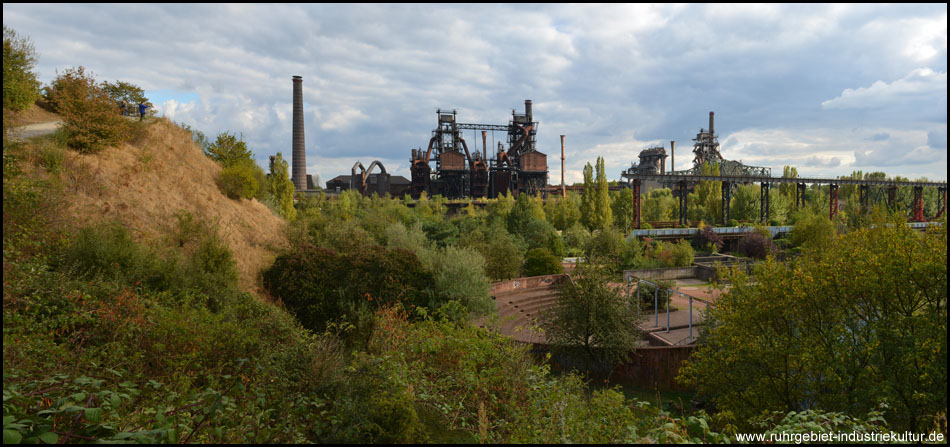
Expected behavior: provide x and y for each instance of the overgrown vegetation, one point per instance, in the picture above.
(368, 338)
(20, 86)
(591, 318)
(856, 321)
(91, 119)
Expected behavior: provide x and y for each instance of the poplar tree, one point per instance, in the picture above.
(602, 212)
(587, 199)
(282, 188)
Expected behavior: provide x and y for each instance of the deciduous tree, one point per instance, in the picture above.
(20, 86)
(591, 318)
(853, 322)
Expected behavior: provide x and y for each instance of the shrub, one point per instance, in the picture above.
(51, 156)
(460, 275)
(606, 246)
(709, 238)
(756, 245)
(109, 250)
(503, 258)
(441, 232)
(576, 239)
(540, 261)
(228, 149)
(239, 181)
(20, 86)
(682, 254)
(320, 285)
(812, 230)
(91, 119)
(540, 234)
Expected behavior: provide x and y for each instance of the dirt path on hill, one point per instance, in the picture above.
(35, 130)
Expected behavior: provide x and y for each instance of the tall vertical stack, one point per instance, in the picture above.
(299, 174)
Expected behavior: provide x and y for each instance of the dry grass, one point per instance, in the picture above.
(33, 115)
(145, 187)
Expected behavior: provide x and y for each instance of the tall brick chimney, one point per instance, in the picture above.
(299, 170)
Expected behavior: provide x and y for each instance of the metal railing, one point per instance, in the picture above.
(656, 303)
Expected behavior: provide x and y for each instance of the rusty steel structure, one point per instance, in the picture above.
(733, 173)
(359, 182)
(460, 173)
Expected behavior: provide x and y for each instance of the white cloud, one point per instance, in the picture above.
(600, 74)
(920, 84)
(345, 118)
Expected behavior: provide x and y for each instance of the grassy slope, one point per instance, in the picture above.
(144, 186)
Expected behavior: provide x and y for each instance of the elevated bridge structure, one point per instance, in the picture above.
(683, 180)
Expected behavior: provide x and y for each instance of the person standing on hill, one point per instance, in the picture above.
(142, 108)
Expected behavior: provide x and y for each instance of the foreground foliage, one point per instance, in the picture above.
(860, 320)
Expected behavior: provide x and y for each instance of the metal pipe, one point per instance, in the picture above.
(527, 110)
(656, 306)
(711, 131)
(298, 149)
(485, 145)
(563, 189)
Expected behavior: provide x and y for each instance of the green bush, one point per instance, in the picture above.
(228, 149)
(812, 230)
(240, 181)
(321, 286)
(682, 254)
(91, 119)
(51, 156)
(540, 234)
(109, 250)
(540, 261)
(377, 406)
(459, 274)
(575, 239)
(606, 247)
(503, 258)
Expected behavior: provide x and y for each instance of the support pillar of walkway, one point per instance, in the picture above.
(764, 203)
(833, 201)
(891, 196)
(800, 195)
(683, 193)
(864, 193)
(918, 204)
(943, 201)
(726, 198)
(635, 186)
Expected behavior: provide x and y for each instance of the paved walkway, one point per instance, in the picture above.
(35, 130)
(674, 328)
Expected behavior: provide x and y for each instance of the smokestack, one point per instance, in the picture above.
(485, 146)
(672, 156)
(563, 189)
(299, 174)
(527, 110)
(711, 131)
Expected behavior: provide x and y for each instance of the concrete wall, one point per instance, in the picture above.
(663, 274)
(524, 283)
(655, 367)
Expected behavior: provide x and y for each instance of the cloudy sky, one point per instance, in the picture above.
(827, 88)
